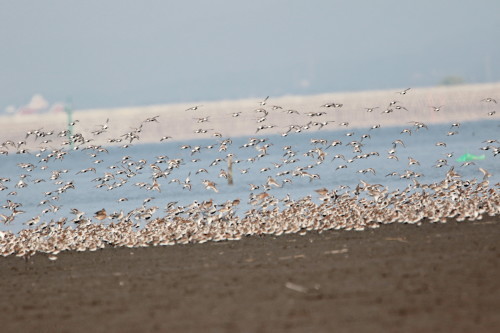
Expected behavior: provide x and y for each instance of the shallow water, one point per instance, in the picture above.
(86, 197)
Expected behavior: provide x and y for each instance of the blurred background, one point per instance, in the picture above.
(120, 53)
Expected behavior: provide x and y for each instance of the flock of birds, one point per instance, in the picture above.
(345, 207)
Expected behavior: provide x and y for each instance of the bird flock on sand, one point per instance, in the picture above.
(344, 207)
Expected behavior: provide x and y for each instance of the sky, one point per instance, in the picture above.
(115, 53)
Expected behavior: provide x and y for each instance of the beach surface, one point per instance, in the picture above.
(459, 103)
(397, 278)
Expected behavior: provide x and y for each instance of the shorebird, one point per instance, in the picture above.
(194, 108)
(419, 125)
(201, 170)
(399, 141)
(209, 185)
(33, 221)
(489, 99)
(324, 123)
(485, 173)
(436, 108)
(322, 191)
(100, 214)
(367, 170)
(392, 157)
(202, 131)
(201, 119)
(155, 186)
(332, 105)
(412, 161)
(315, 114)
(151, 119)
(403, 92)
(264, 111)
(79, 214)
(272, 181)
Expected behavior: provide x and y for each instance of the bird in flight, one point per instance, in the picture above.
(194, 108)
(403, 92)
(330, 105)
(489, 100)
(437, 108)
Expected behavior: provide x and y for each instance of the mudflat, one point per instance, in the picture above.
(398, 278)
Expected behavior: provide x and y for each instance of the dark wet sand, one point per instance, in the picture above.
(399, 278)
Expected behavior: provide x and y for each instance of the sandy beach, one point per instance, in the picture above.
(458, 103)
(398, 278)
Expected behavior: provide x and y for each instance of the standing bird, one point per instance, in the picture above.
(101, 214)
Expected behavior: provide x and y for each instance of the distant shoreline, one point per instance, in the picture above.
(458, 103)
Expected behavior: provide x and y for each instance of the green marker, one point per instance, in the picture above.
(470, 157)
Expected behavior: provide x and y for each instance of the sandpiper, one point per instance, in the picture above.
(100, 214)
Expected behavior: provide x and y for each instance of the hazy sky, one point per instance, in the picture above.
(104, 53)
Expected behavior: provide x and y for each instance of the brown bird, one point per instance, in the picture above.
(272, 181)
(209, 185)
(322, 191)
(101, 214)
